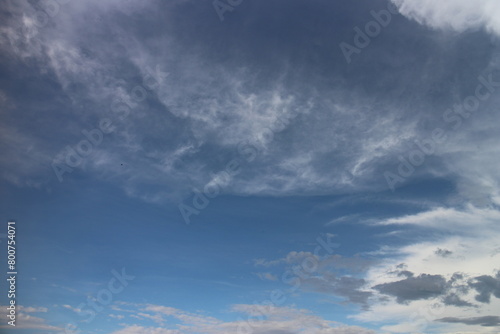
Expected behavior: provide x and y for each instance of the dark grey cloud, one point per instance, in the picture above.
(427, 286)
(443, 252)
(414, 288)
(454, 300)
(343, 286)
(457, 286)
(349, 287)
(487, 321)
(406, 273)
(486, 286)
(401, 270)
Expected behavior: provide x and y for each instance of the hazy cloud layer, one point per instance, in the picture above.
(487, 321)
(261, 319)
(180, 108)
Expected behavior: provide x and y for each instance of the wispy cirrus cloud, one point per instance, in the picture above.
(330, 134)
(263, 320)
(26, 321)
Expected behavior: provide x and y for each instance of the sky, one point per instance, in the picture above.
(250, 167)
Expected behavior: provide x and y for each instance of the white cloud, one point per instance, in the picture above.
(117, 316)
(74, 309)
(469, 251)
(267, 276)
(259, 319)
(459, 15)
(470, 221)
(30, 309)
(136, 329)
(26, 321)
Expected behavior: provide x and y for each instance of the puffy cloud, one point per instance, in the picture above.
(486, 286)
(454, 300)
(445, 276)
(413, 288)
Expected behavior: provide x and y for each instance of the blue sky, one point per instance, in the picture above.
(253, 167)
